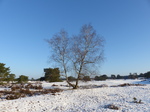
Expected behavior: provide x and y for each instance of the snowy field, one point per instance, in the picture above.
(85, 100)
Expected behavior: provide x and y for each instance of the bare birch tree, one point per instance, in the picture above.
(80, 52)
(60, 46)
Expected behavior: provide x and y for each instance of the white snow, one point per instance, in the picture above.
(85, 100)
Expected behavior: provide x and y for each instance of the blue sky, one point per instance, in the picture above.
(125, 25)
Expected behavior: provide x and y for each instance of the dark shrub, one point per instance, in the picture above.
(86, 78)
(112, 106)
(70, 78)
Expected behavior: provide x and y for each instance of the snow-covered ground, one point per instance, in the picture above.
(85, 100)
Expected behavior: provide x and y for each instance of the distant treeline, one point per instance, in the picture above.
(104, 77)
(130, 76)
(53, 75)
(49, 76)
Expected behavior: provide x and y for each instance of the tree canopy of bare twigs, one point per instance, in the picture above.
(79, 53)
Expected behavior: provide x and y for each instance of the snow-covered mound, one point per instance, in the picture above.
(85, 100)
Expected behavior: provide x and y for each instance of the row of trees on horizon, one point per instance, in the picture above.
(53, 75)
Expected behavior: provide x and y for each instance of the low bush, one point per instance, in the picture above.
(136, 101)
(14, 88)
(35, 86)
(19, 91)
(56, 90)
(26, 92)
(112, 106)
(127, 84)
(54, 85)
(86, 78)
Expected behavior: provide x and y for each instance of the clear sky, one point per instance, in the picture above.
(125, 25)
